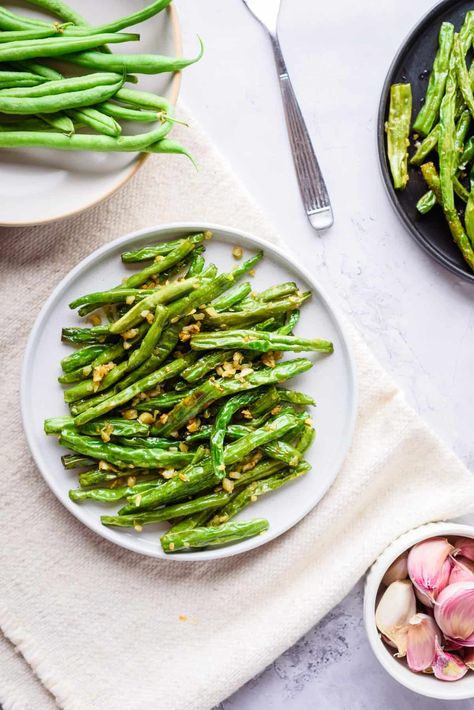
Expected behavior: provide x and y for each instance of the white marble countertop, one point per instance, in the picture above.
(416, 316)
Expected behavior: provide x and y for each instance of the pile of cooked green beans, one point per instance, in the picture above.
(43, 107)
(176, 404)
(443, 144)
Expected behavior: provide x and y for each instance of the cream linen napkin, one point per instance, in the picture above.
(102, 628)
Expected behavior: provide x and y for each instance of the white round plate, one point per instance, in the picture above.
(40, 185)
(331, 382)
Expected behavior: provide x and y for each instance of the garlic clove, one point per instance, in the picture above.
(394, 610)
(447, 666)
(469, 658)
(465, 547)
(421, 642)
(397, 570)
(423, 598)
(454, 611)
(461, 643)
(429, 565)
(462, 570)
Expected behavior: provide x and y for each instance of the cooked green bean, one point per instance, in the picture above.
(82, 357)
(146, 383)
(149, 253)
(251, 493)
(259, 341)
(218, 432)
(398, 129)
(207, 537)
(437, 82)
(124, 455)
(207, 502)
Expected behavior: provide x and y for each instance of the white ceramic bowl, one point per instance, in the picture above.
(421, 683)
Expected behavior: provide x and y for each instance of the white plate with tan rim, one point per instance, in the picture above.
(40, 185)
(331, 382)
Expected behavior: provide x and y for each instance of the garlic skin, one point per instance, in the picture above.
(454, 612)
(429, 566)
(446, 666)
(421, 642)
(394, 610)
(469, 658)
(462, 570)
(465, 547)
(397, 570)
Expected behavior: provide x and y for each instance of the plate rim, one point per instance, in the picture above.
(427, 247)
(137, 163)
(160, 231)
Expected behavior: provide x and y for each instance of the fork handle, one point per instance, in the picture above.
(311, 182)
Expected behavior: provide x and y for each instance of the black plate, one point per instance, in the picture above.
(412, 64)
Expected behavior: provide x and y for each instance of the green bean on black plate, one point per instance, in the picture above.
(441, 134)
(173, 435)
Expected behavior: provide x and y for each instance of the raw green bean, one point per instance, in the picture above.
(55, 47)
(208, 537)
(39, 69)
(398, 130)
(208, 502)
(51, 104)
(127, 114)
(126, 63)
(97, 120)
(170, 147)
(135, 143)
(258, 341)
(133, 19)
(58, 121)
(437, 82)
(11, 22)
(144, 99)
(60, 9)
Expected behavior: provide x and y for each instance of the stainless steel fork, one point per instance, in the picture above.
(312, 186)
